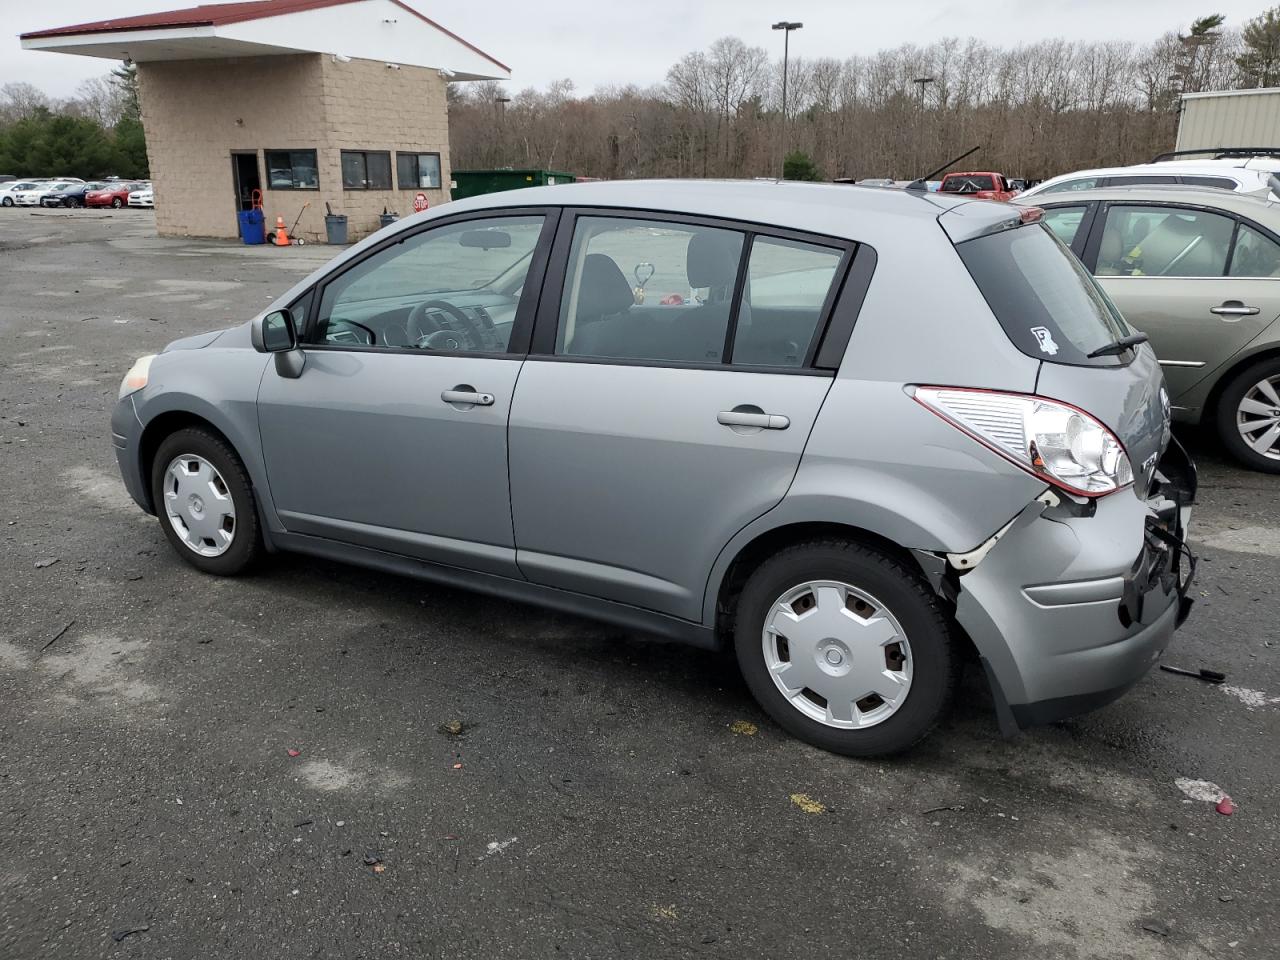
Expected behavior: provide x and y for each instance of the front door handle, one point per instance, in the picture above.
(1234, 308)
(467, 396)
(743, 418)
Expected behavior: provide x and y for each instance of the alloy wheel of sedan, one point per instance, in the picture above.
(837, 654)
(199, 506)
(1258, 417)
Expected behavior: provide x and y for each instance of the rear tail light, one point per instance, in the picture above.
(1052, 440)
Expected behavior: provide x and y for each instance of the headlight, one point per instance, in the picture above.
(136, 378)
(1056, 442)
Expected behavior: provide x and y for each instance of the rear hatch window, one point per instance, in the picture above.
(967, 183)
(1047, 303)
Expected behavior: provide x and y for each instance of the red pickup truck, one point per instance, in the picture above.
(983, 185)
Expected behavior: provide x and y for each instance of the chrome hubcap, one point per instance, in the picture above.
(1258, 418)
(837, 654)
(199, 505)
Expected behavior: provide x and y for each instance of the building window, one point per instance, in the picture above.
(418, 171)
(366, 170)
(292, 170)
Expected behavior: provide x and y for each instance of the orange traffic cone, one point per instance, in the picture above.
(282, 235)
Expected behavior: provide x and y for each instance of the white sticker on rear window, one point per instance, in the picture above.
(1045, 339)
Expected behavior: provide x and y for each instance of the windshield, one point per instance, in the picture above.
(967, 183)
(1047, 303)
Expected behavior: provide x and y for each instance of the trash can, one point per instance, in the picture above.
(335, 227)
(253, 226)
(387, 219)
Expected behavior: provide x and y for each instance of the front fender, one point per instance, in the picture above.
(220, 386)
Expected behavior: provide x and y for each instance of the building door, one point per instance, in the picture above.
(245, 177)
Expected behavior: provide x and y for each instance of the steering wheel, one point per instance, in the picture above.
(457, 332)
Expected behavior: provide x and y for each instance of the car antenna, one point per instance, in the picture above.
(921, 187)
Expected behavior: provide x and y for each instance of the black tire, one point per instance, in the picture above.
(1228, 406)
(246, 544)
(116, 203)
(935, 659)
(71, 202)
(6, 201)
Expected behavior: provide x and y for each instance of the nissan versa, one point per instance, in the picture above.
(859, 434)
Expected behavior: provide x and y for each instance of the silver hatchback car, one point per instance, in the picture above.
(862, 435)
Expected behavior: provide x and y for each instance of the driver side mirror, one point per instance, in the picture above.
(274, 333)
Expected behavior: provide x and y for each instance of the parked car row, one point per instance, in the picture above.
(1188, 252)
(73, 192)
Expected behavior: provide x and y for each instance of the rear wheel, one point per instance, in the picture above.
(1249, 416)
(117, 203)
(846, 647)
(72, 202)
(205, 502)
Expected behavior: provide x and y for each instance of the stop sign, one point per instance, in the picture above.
(419, 202)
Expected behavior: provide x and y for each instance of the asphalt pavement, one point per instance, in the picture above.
(322, 761)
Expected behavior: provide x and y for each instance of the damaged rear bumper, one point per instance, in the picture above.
(1075, 603)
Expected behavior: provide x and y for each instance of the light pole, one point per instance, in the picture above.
(786, 26)
(500, 105)
(921, 83)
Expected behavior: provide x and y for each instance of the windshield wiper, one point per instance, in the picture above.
(1119, 346)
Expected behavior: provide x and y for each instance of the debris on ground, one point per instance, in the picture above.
(807, 803)
(372, 858)
(294, 752)
(1251, 698)
(303, 823)
(1206, 791)
(744, 728)
(1158, 927)
(497, 846)
(57, 636)
(118, 935)
(957, 807)
(1208, 676)
(455, 728)
(48, 562)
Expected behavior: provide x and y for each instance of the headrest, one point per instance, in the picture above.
(604, 291)
(712, 259)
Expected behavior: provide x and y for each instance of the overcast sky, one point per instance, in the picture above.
(596, 42)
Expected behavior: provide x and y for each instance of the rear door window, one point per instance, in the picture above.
(788, 283)
(1043, 297)
(1134, 180)
(1163, 241)
(1083, 183)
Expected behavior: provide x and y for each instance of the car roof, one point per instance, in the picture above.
(1245, 204)
(1169, 169)
(847, 211)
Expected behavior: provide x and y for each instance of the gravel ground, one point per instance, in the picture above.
(607, 796)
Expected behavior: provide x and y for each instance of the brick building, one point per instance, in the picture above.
(321, 101)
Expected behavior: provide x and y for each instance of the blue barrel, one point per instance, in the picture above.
(253, 227)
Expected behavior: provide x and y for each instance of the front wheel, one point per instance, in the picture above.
(1249, 416)
(204, 499)
(846, 647)
(6, 201)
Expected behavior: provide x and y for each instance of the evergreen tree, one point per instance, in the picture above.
(1260, 62)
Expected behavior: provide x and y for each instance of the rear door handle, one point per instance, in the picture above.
(467, 396)
(739, 418)
(1234, 308)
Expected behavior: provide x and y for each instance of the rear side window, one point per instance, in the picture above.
(1217, 183)
(1045, 300)
(1254, 255)
(967, 183)
(1064, 222)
